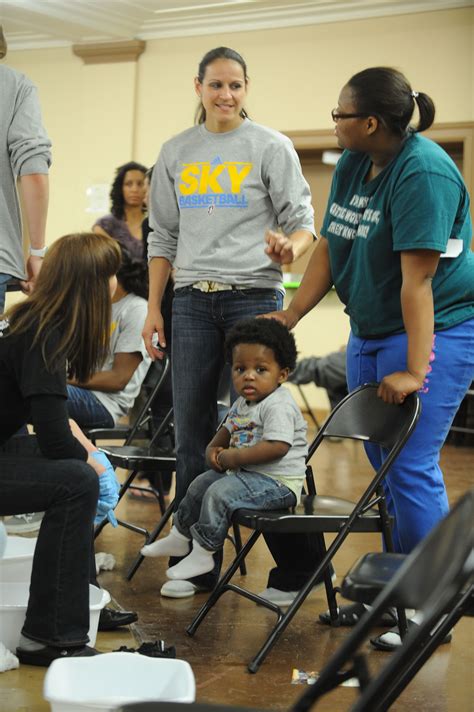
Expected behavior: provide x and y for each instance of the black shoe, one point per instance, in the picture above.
(153, 650)
(391, 641)
(110, 619)
(46, 655)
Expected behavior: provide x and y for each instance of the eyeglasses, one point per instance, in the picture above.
(336, 115)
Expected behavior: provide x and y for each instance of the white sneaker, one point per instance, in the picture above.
(24, 523)
(179, 589)
(286, 598)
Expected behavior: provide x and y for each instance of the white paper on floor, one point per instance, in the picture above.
(104, 562)
(301, 677)
(8, 661)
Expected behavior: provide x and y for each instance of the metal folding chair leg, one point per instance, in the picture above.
(223, 585)
(309, 410)
(322, 569)
(236, 540)
(156, 491)
(153, 536)
(122, 491)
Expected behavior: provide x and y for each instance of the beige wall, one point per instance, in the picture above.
(296, 73)
(100, 116)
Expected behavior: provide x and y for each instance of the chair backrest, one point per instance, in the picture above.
(362, 415)
(445, 557)
(143, 413)
(435, 577)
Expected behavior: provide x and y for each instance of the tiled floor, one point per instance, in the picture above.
(236, 628)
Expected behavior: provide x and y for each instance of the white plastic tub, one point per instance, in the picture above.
(106, 682)
(13, 602)
(17, 561)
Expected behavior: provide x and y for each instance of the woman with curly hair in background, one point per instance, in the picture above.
(124, 223)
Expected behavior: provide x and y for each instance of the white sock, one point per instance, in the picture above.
(392, 636)
(198, 562)
(175, 544)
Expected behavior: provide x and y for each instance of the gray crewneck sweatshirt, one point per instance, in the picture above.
(24, 150)
(213, 196)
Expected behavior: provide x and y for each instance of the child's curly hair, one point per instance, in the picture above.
(267, 332)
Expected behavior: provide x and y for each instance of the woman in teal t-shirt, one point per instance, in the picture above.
(396, 245)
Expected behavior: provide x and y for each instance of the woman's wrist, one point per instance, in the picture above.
(294, 315)
(418, 374)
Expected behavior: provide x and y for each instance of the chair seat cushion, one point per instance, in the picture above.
(315, 513)
(368, 576)
(132, 457)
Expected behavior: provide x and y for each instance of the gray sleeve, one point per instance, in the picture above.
(289, 190)
(164, 212)
(28, 144)
(131, 325)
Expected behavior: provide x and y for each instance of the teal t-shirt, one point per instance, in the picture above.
(418, 201)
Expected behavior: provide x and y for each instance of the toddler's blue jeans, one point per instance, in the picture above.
(205, 513)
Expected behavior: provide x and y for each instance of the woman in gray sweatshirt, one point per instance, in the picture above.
(228, 206)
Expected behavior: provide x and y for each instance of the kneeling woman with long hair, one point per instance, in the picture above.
(61, 329)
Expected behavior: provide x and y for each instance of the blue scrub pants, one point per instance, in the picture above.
(416, 494)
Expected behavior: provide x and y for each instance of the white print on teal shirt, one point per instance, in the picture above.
(369, 216)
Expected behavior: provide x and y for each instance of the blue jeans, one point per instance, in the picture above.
(200, 324)
(67, 491)
(416, 494)
(86, 409)
(205, 513)
(4, 278)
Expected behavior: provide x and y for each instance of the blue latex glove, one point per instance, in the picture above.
(109, 488)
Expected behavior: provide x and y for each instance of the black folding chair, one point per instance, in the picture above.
(140, 426)
(436, 579)
(360, 416)
(141, 457)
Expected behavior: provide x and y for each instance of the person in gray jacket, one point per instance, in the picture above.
(228, 206)
(327, 372)
(24, 155)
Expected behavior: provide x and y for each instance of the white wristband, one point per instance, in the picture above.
(40, 252)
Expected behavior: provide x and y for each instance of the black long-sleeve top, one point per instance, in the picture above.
(32, 393)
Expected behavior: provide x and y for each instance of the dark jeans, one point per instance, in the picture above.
(67, 491)
(3, 288)
(296, 557)
(200, 324)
